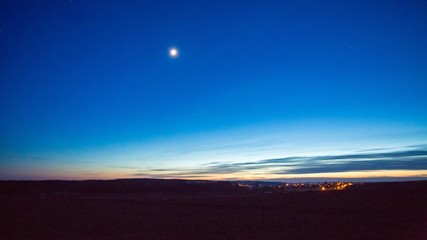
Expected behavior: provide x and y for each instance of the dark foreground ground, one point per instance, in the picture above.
(376, 211)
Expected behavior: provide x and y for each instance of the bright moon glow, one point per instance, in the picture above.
(173, 52)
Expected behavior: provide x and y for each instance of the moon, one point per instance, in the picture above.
(173, 52)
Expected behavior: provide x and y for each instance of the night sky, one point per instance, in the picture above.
(269, 90)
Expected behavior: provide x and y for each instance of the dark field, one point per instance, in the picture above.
(371, 211)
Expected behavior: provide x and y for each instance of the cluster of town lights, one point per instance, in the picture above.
(298, 186)
(335, 186)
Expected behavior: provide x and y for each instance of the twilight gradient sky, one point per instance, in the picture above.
(273, 90)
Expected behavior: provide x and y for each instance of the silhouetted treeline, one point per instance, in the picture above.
(120, 186)
(175, 187)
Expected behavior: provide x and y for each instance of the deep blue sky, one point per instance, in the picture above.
(88, 90)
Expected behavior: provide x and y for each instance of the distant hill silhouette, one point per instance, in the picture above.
(119, 186)
(170, 186)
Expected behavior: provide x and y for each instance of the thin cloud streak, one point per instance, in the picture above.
(395, 160)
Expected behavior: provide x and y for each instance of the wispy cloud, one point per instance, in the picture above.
(21, 157)
(415, 159)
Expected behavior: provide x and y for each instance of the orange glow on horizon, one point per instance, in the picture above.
(249, 176)
(103, 174)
